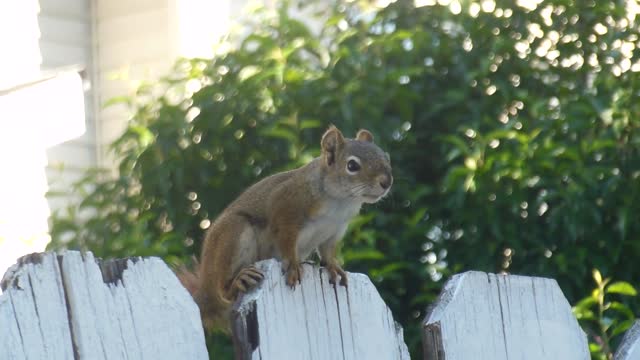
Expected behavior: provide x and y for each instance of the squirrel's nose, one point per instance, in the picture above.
(385, 181)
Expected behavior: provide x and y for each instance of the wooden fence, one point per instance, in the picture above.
(73, 306)
(76, 307)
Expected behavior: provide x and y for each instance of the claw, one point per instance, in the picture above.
(239, 286)
(253, 273)
(335, 270)
(247, 279)
(294, 274)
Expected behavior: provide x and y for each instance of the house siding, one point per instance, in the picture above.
(135, 42)
(66, 40)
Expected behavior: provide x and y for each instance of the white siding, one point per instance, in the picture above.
(58, 55)
(66, 31)
(65, 40)
(63, 179)
(66, 9)
(138, 26)
(135, 42)
(72, 155)
(115, 8)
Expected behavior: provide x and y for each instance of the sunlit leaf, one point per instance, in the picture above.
(125, 100)
(597, 276)
(622, 288)
(585, 304)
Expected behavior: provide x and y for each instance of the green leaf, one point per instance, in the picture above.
(621, 308)
(310, 124)
(281, 132)
(359, 255)
(621, 327)
(597, 276)
(459, 143)
(584, 304)
(585, 315)
(621, 287)
(117, 100)
(416, 218)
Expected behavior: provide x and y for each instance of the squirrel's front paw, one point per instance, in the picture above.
(334, 270)
(293, 271)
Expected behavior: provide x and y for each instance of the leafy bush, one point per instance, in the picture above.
(512, 131)
(602, 318)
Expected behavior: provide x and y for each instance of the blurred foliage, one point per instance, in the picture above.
(602, 318)
(512, 127)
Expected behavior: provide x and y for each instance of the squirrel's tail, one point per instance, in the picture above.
(188, 276)
(214, 309)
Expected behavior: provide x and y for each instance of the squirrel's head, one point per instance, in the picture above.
(357, 168)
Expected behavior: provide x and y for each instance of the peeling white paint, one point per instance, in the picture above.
(317, 321)
(61, 308)
(500, 317)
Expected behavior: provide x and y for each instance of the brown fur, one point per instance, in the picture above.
(287, 216)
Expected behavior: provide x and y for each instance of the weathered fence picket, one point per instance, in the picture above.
(494, 317)
(316, 320)
(73, 306)
(629, 348)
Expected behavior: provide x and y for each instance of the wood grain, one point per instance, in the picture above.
(629, 348)
(502, 317)
(74, 306)
(315, 321)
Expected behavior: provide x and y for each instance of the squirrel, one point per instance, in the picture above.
(287, 216)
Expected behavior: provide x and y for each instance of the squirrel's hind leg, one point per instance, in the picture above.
(229, 247)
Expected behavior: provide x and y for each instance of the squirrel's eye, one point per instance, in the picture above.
(353, 166)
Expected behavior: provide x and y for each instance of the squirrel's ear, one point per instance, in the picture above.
(331, 142)
(364, 135)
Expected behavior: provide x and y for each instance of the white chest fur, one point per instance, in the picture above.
(329, 223)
